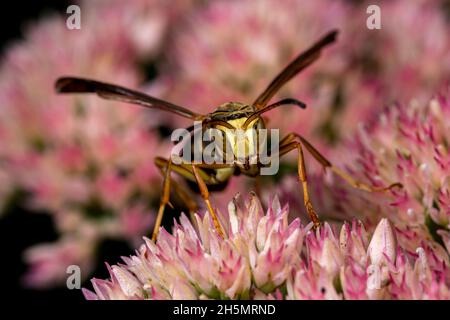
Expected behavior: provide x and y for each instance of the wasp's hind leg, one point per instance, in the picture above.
(285, 147)
(328, 165)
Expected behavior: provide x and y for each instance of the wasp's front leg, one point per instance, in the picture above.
(285, 147)
(205, 195)
(191, 172)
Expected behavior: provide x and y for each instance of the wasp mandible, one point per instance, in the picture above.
(228, 116)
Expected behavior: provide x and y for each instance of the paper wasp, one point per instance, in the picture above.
(227, 116)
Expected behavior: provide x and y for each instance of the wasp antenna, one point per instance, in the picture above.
(284, 102)
(288, 101)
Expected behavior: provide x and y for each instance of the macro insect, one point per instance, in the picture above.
(228, 116)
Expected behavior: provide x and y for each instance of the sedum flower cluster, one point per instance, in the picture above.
(365, 68)
(266, 256)
(85, 161)
(89, 162)
(409, 143)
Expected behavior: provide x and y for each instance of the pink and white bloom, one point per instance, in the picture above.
(263, 256)
(352, 80)
(86, 161)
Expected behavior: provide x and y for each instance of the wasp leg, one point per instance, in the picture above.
(327, 164)
(205, 195)
(195, 174)
(184, 169)
(164, 200)
(287, 147)
(191, 205)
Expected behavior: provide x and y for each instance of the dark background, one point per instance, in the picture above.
(17, 14)
(19, 229)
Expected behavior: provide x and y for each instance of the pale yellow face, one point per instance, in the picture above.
(242, 142)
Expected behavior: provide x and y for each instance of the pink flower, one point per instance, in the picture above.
(408, 144)
(49, 262)
(351, 81)
(88, 162)
(82, 159)
(263, 256)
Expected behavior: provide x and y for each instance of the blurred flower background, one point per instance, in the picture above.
(378, 107)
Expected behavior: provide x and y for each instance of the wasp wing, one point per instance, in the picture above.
(115, 92)
(303, 60)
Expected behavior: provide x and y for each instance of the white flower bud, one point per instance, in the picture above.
(383, 244)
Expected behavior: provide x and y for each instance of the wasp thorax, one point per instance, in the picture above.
(232, 110)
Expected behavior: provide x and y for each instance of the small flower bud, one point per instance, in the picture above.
(383, 244)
